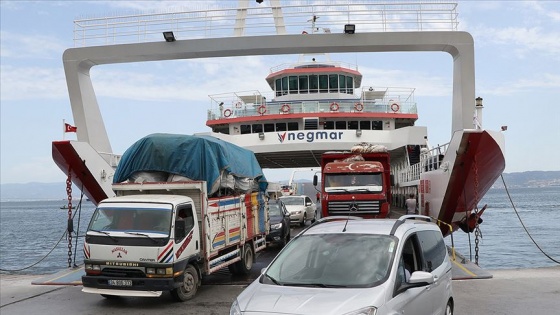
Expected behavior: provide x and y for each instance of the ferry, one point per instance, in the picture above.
(314, 105)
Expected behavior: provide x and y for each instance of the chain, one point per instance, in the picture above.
(477, 228)
(70, 224)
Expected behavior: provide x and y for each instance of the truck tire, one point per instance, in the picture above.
(188, 288)
(243, 267)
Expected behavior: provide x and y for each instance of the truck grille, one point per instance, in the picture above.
(354, 207)
(122, 273)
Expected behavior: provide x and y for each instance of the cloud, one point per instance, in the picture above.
(19, 46)
(541, 8)
(32, 83)
(522, 40)
(182, 80)
(542, 81)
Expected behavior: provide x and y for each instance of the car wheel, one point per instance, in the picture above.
(303, 220)
(188, 288)
(314, 217)
(283, 241)
(449, 308)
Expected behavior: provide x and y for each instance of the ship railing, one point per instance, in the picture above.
(212, 21)
(253, 103)
(430, 160)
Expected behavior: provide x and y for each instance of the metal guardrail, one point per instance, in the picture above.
(254, 19)
(232, 105)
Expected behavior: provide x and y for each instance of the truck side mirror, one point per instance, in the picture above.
(180, 229)
(315, 180)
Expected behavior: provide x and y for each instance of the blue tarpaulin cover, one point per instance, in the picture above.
(196, 157)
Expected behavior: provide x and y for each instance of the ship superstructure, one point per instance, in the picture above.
(314, 105)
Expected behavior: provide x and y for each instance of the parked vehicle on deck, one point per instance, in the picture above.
(279, 228)
(350, 265)
(301, 208)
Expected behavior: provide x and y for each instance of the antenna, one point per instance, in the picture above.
(345, 224)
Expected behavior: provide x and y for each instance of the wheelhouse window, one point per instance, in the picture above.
(245, 129)
(257, 128)
(281, 127)
(353, 125)
(303, 84)
(340, 124)
(333, 83)
(323, 83)
(293, 81)
(313, 84)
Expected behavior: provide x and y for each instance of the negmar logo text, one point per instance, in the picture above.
(310, 136)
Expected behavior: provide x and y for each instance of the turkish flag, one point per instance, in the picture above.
(69, 128)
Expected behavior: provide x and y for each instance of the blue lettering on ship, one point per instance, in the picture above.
(310, 136)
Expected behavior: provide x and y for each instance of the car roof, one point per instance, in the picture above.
(395, 227)
(292, 196)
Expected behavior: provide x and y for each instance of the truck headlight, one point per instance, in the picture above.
(276, 226)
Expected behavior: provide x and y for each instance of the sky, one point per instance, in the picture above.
(517, 56)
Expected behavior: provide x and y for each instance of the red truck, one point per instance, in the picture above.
(357, 184)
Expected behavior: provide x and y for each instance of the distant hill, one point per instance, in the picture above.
(56, 191)
(529, 179)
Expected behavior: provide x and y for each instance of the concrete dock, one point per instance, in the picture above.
(511, 292)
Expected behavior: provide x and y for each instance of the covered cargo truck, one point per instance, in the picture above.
(186, 206)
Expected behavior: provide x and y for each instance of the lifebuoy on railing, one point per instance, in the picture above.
(395, 107)
(227, 112)
(285, 108)
(334, 107)
(238, 105)
(261, 110)
(359, 107)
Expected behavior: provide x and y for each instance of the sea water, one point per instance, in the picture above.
(29, 230)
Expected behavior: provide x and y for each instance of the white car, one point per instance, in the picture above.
(301, 208)
(353, 266)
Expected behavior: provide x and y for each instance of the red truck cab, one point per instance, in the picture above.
(357, 184)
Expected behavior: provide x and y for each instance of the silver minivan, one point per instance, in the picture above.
(353, 266)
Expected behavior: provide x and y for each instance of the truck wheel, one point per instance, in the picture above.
(243, 267)
(188, 288)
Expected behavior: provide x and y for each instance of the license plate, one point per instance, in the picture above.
(120, 283)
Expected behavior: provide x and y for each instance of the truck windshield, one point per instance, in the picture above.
(132, 219)
(334, 260)
(371, 182)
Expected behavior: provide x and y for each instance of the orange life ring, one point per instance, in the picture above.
(261, 110)
(227, 112)
(359, 107)
(395, 107)
(285, 108)
(334, 106)
(238, 105)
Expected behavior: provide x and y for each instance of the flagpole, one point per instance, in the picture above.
(63, 129)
